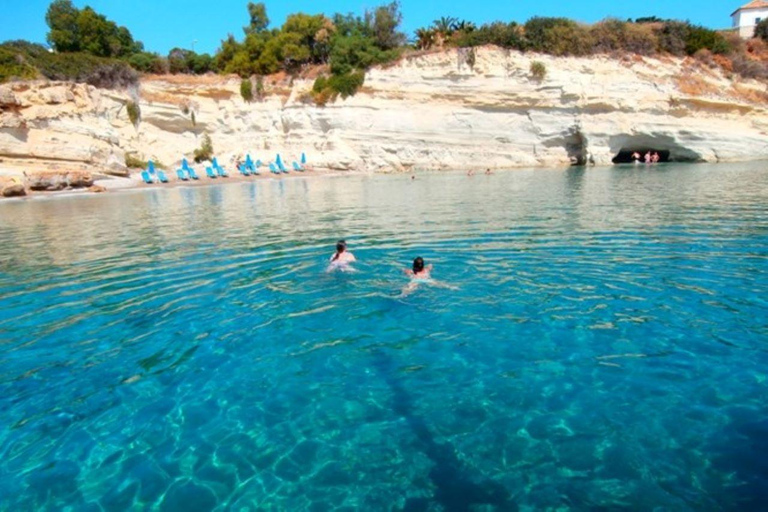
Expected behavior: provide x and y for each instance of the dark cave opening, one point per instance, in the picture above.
(624, 156)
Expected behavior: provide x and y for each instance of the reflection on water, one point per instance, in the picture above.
(183, 349)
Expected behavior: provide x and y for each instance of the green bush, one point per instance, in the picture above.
(205, 151)
(346, 84)
(134, 112)
(700, 38)
(13, 65)
(134, 162)
(260, 87)
(19, 58)
(246, 89)
(540, 33)
(673, 36)
(538, 70)
(761, 30)
(326, 89)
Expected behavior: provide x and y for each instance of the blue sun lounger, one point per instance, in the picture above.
(162, 177)
(210, 173)
(218, 169)
(180, 174)
(146, 177)
(248, 162)
(185, 167)
(273, 169)
(243, 170)
(297, 167)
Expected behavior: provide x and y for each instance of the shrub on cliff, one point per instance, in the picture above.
(538, 70)
(76, 67)
(328, 88)
(134, 112)
(505, 35)
(761, 30)
(134, 162)
(246, 89)
(205, 151)
(13, 65)
(146, 62)
(557, 36)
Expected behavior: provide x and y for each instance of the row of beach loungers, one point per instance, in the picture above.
(250, 168)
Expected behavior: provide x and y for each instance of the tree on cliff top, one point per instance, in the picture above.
(259, 19)
(85, 30)
(761, 30)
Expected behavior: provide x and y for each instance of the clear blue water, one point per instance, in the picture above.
(183, 349)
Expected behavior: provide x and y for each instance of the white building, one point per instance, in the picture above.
(747, 16)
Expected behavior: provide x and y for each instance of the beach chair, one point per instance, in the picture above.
(185, 167)
(146, 177)
(273, 169)
(243, 170)
(255, 168)
(162, 177)
(209, 172)
(219, 169)
(151, 167)
(180, 174)
(249, 163)
(297, 167)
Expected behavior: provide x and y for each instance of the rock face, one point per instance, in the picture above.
(449, 109)
(58, 181)
(13, 190)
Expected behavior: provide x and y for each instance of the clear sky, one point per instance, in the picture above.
(164, 24)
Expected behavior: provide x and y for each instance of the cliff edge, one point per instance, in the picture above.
(460, 108)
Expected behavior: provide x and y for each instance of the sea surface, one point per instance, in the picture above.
(594, 340)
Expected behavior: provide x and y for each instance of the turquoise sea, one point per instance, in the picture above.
(605, 347)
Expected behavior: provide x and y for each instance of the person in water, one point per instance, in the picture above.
(342, 257)
(419, 272)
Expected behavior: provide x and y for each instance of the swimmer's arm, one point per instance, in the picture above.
(440, 284)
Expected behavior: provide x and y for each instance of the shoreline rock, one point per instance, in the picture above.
(429, 111)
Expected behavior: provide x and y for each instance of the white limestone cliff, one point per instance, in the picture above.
(430, 111)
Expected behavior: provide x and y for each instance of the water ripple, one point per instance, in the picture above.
(602, 344)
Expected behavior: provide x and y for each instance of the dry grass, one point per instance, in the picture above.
(207, 79)
(693, 85)
(750, 94)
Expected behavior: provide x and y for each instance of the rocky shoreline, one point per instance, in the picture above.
(433, 111)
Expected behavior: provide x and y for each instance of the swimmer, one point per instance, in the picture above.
(342, 257)
(421, 274)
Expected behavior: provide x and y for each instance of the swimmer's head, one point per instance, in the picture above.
(341, 246)
(418, 265)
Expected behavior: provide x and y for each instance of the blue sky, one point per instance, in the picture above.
(164, 24)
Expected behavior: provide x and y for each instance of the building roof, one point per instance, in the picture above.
(754, 4)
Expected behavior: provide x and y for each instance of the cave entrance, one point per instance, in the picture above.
(669, 148)
(624, 156)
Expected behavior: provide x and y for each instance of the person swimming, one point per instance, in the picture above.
(342, 257)
(419, 272)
